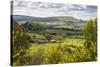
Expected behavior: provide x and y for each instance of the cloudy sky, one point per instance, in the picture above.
(45, 9)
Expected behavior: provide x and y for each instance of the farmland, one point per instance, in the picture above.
(52, 42)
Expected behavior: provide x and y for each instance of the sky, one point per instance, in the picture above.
(47, 9)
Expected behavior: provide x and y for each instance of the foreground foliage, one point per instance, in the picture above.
(90, 34)
(19, 44)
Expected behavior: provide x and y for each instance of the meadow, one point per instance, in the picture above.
(36, 43)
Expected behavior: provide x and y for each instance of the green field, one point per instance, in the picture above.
(40, 44)
(67, 41)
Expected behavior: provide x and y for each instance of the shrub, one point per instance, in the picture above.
(54, 55)
(34, 59)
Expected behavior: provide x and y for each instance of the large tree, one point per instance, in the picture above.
(90, 34)
(19, 44)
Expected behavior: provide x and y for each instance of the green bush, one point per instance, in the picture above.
(54, 55)
(34, 59)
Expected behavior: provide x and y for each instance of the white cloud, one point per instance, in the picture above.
(44, 9)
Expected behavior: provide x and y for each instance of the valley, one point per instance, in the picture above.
(51, 40)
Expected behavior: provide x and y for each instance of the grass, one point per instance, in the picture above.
(73, 41)
(67, 41)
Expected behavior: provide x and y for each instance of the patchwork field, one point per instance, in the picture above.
(37, 43)
(67, 41)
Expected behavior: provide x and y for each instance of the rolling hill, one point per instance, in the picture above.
(46, 19)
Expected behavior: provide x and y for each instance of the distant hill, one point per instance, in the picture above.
(67, 19)
(46, 19)
(29, 18)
